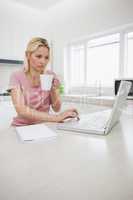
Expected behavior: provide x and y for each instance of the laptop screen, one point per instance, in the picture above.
(117, 84)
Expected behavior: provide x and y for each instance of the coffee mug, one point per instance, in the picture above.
(46, 81)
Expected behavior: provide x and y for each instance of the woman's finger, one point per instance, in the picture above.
(74, 110)
(56, 82)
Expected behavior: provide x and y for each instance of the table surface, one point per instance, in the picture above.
(72, 166)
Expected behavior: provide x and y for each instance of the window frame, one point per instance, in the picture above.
(106, 91)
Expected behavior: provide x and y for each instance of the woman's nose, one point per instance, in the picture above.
(43, 61)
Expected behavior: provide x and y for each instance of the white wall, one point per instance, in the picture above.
(18, 25)
(71, 18)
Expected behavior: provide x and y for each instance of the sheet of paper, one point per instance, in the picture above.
(35, 132)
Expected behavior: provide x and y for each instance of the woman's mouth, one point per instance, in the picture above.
(40, 66)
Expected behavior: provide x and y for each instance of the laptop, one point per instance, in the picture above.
(100, 122)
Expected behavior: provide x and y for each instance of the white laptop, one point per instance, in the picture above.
(100, 122)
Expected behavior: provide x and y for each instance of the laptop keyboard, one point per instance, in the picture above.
(95, 120)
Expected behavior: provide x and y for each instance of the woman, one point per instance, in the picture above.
(32, 104)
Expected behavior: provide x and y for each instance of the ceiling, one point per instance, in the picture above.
(41, 5)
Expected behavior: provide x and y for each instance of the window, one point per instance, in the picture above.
(103, 60)
(77, 66)
(129, 55)
(94, 63)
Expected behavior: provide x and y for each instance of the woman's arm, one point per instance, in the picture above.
(55, 96)
(55, 99)
(29, 113)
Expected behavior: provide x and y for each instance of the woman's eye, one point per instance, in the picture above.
(39, 56)
(46, 57)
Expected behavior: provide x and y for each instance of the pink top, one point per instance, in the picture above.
(34, 96)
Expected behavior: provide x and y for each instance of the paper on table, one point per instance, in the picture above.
(35, 132)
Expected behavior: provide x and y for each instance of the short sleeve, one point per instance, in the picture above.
(14, 81)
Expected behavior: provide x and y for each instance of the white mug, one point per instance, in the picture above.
(46, 81)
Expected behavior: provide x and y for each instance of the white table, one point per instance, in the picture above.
(73, 166)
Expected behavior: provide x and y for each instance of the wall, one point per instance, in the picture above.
(18, 25)
(72, 19)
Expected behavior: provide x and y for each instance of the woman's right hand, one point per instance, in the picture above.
(70, 113)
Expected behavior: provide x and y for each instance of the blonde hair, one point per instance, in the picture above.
(32, 46)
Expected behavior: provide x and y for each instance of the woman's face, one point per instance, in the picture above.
(39, 59)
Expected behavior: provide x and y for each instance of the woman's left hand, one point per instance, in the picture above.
(55, 84)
